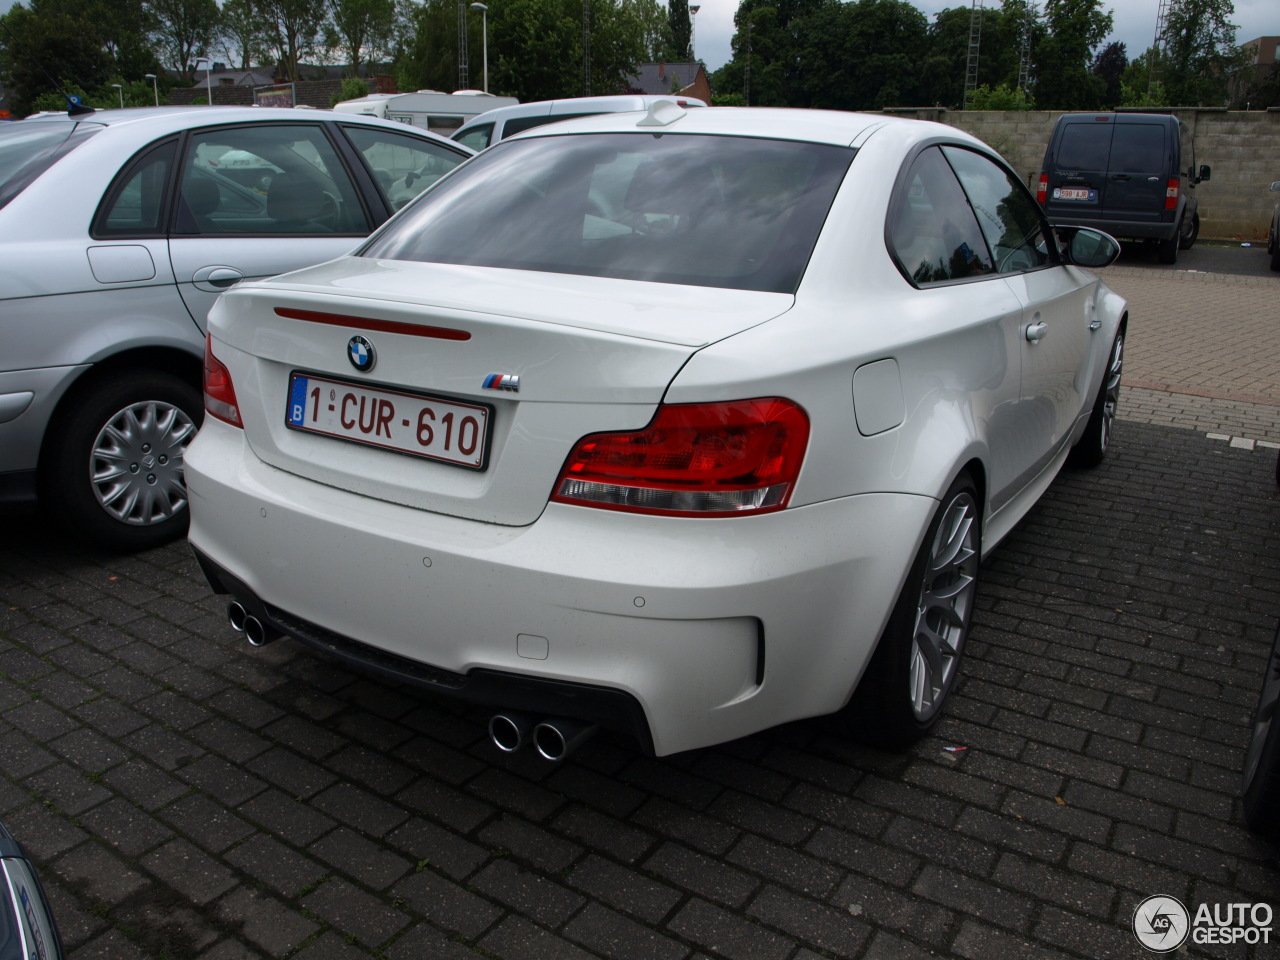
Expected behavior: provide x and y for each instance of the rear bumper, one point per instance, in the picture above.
(684, 633)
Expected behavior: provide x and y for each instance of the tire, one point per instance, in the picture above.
(115, 475)
(1274, 247)
(914, 667)
(1093, 444)
(1188, 239)
(1167, 250)
(1261, 783)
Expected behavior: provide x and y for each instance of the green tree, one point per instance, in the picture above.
(1109, 66)
(1199, 51)
(679, 32)
(1061, 61)
(944, 66)
(293, 31)
(361, 30)
(50, 54)
(1003, 97)
(182, 31)
(240, 35)
(651, 18)
(426, 57)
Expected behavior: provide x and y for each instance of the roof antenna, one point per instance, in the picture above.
(74, 109)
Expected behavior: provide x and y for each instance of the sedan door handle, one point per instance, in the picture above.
(1035, 331)
(217, 277)
(1095, 324)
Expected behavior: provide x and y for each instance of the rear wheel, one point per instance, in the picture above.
(115, 476)
(1167, 250)
(1096, 439)
(1189, 236)
(914, 667)
(1273, 246)
(1261, 799)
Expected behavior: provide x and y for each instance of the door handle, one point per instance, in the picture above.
(1095, 324)
(217, 277)
(1121, 176)
(1036, 331)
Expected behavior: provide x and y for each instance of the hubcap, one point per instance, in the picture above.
(1262, 720)
(136, 463)
(1111, 390)
(946, 600)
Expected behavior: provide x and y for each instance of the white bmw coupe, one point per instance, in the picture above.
(681, 423)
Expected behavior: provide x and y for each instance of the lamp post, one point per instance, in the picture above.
(154, 86)
(693, 31)
(120, 90)
(208, 75)
(484, 34)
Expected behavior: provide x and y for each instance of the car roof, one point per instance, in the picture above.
(159, 120)
(837, 127)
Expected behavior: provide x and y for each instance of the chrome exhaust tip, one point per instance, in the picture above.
(509, 730)
(556, 738)
(258, 633)
(237, 615)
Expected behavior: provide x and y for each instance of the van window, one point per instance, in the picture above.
(521, 124)
(1138, 147)
(477, 138)
(1084, 146)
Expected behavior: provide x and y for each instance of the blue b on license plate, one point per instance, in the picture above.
(416, 424)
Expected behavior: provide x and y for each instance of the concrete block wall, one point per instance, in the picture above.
(1241, 147)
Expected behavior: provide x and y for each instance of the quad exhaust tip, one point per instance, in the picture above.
(242, 621)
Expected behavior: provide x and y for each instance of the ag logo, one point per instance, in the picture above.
(361, 354)
(1161, 924)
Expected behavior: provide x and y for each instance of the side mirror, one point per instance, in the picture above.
(1204, 172)
(1086, 247)
(1275, 186)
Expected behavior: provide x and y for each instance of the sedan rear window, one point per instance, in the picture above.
(29, 149)
(734, 212)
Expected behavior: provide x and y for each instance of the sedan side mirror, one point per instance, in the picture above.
(1086, 247)
(1204, 172)
(1275, 186)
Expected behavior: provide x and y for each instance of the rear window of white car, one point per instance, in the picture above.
(29, 149)
(734, 212)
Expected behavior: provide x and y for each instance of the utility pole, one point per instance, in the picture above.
(1157, 45)
(975, 42)
(1024, 49)
(586, 48)
(463, 79)
(746, 71)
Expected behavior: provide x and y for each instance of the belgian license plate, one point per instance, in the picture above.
(411, 423)
(1074, 193)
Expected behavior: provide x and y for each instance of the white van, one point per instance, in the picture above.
(502, 121)
(441, 113)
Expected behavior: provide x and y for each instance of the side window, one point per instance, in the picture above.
(1006, 212)
(932, 231)
(266, 180)
(135, 204)
(402, 166)
(477, 138)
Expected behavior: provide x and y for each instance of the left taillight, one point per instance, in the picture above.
(694, 459)
(219, 391)
(1171, 193)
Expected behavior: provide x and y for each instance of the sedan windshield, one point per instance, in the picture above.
(712, 211)
(28, 149)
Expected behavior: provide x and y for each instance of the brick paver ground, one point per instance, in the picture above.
(186, 796)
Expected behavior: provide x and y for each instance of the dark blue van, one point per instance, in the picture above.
(1124, 173)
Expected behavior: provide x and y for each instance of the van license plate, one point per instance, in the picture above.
(1074, 193)
(415, 424)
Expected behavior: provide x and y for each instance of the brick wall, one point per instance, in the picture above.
(1241, 147)
(311, 93)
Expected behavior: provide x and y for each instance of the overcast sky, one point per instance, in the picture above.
(1134, 23)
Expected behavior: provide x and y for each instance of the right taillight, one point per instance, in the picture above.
(1042, 190)
(219, 391)
(693, 459)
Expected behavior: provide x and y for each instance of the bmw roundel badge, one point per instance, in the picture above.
(361, 354)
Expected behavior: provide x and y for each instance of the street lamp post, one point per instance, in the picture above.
(154, 86)
(120, 90)
(484, 34)
(693, 31)
(208, 75)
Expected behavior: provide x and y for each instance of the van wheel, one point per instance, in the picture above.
(115, 475)
(1186, 241)
(1167, 250)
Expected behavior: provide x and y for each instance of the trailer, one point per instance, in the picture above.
(432, 110)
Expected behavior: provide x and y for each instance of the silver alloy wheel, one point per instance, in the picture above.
(946, 600)
(136, 463)
(1111, 391)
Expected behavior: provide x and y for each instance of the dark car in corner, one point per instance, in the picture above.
(1132, 175)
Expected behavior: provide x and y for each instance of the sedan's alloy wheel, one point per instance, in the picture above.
(946, 601)
(1111, 391)
(136, 462)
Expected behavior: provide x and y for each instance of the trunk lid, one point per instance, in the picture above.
(591, 354)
